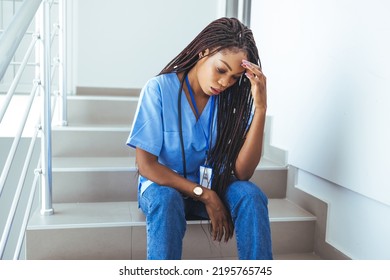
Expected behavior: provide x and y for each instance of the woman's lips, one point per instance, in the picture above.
(215, 91)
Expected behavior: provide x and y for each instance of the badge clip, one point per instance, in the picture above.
(205, 176)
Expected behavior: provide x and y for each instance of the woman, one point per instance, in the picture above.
(198, 134)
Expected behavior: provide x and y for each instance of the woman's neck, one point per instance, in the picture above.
(200, 97)
(195, 85)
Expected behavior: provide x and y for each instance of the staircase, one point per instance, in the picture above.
(95, 194)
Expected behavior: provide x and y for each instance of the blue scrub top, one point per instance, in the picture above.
(156, 128)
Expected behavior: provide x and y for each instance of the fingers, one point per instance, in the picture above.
(221, 222)
(218, 233)
(254, 71)
(258, 82)
(222, 231)
(229, 232)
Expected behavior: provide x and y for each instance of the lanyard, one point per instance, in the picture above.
(208, 142)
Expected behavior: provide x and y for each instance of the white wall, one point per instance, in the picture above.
(122, 43)
(328, 71)
(357, 226)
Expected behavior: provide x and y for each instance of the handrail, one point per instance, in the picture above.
(9, 42)
(13, 34)
(12, 212)
(16, 141)
(16, 80)
(27, 213)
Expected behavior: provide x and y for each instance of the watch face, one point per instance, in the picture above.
(198, 191)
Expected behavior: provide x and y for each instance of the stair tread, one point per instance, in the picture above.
(94, 127)
(93, 164)
(103, 92)
(118, 214)
(103, 98)
(297, 256)
(74, 164)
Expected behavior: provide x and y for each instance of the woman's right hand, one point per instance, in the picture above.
(221, 222)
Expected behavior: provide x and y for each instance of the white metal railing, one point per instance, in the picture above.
(46, 67)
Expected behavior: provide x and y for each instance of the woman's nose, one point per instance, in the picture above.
(223, 82)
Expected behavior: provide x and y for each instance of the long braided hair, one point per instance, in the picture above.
(234, 104)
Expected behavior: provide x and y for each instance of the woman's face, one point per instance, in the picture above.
(219, 71)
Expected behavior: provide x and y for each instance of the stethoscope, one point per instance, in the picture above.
(211, 116)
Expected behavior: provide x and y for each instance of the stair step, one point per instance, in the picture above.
(98, 179)
(89, 110)
(302, 256)
(104, 92)
(68, 164)
(82, 164)
(118, 228)
(91, 141)
(95, 193)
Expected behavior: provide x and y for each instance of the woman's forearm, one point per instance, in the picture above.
(251, 151)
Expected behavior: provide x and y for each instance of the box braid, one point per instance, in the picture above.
(234, 104)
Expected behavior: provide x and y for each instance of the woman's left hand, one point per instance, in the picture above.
(258, 84)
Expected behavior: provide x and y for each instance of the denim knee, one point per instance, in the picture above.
(244, 192)
(161, 199)
(165, 221)
(249, 210)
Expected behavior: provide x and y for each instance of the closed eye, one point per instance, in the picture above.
(221, 71)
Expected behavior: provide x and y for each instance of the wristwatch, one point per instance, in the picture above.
(198, 190)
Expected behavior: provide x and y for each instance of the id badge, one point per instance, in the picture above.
(205, 175)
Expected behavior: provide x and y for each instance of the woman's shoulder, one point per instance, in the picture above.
(168, 79)
(157, 85)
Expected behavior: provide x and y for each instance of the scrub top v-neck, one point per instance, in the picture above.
(155, 128)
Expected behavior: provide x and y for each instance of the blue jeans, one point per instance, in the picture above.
(166, 211)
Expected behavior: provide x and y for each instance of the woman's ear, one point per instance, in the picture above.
(204, 53)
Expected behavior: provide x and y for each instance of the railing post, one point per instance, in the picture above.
(45, 77)
(62, 42)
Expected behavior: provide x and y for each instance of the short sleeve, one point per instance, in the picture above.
(146, 132)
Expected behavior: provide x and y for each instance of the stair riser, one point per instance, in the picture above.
(94, 186)
(110, 243)
(95, 112)
(272, 182)
(122, 185)
(70, 143)
(130, 242)
(293, 237)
